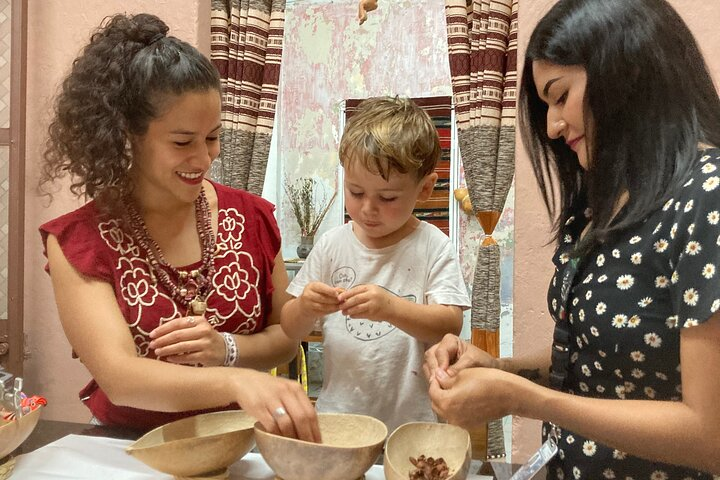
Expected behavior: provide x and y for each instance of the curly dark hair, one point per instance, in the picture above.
(119, 83)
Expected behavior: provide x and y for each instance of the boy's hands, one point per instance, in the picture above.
(368, 301)
(320, 299)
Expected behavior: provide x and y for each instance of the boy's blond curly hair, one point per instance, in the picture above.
(389, 134)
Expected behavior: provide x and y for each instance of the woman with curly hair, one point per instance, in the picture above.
(163, 271)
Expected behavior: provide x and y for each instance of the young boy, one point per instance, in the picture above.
(386, 284)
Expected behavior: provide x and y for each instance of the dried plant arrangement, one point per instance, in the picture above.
(310, 203)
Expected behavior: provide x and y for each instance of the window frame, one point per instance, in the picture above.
(12, 338)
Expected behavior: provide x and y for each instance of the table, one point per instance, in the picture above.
(48, 431)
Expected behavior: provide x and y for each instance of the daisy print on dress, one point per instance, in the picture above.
(713, 217)
(619, 320)
(708, 271)
(715, 305)
(661, 281)
(693, 247)
(661, 245)
(589, 448)
(653, 339)
(691, 322)
(369, 330)
(600, 261)
(691, 297)
(608, 473)
(634, 321)
(711, 184)
(624, 282)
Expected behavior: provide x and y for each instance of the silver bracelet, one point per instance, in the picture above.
(231, 349)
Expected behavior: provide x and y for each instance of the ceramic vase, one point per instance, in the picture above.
(306, 244)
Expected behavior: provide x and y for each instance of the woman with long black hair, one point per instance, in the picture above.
(622, 124)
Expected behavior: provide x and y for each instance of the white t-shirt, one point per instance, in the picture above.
(372, 367)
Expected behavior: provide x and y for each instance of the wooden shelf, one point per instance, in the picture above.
(314, 337)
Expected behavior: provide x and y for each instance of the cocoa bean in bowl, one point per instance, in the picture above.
(429, 468)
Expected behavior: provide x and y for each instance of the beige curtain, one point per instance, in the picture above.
(246, 48)
(482, 47)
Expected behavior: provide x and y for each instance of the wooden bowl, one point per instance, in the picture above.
(351, 444)
(199, 447)
(15, 432)
(432, 440)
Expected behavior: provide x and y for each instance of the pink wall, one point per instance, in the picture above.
(532, 324)
(57, 30)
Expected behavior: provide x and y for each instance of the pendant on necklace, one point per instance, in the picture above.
(198, 306)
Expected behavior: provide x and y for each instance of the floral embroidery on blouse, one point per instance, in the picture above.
(234, 304)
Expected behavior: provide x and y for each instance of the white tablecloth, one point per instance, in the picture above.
(78, 457)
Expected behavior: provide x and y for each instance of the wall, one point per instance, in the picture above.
(532, 324)
(57, 30)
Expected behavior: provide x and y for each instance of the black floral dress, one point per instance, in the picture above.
(627, 305)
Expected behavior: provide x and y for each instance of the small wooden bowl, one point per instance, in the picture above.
(432, 440)
(15, 432)
(199, 447)
(351, 444)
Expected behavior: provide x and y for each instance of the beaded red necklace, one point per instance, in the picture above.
(189, 289)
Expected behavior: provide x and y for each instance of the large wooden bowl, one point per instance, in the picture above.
(198, 447)
(15, 432)
(350, 445)
(432, 440)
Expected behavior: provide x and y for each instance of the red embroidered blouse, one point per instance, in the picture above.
(240, 301)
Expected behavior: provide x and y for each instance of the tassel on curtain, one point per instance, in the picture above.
(246, 48)
(482, 47)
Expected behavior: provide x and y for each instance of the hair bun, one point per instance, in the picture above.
(148, 29)
(142, 28)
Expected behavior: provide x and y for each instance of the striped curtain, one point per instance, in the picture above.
(246, 48)
(482, 47)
